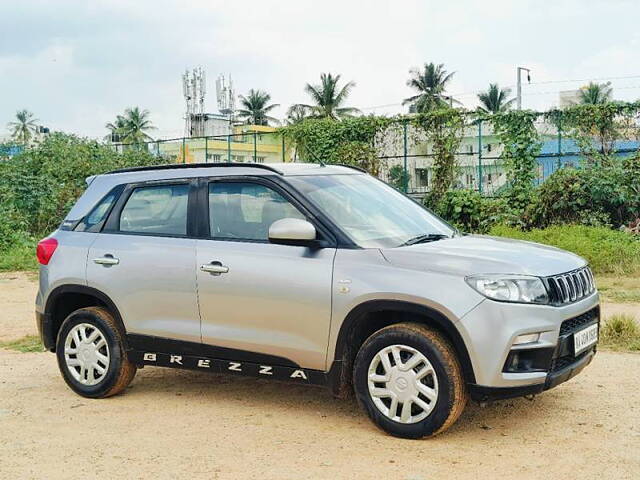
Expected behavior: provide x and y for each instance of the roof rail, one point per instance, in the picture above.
(353, 167)
(195, 165)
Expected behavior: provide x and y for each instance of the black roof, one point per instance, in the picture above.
(195, 165)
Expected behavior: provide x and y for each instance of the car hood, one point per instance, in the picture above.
(477, 254)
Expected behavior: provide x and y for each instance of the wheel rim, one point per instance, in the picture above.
(403, 384)
(86, 354)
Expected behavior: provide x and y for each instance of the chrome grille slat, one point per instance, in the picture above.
(571, 286)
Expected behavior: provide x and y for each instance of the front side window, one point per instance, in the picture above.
(371, 213)
(245, 211)
(160, 209)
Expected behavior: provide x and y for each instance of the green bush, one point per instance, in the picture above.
(590, 196)
(606, 250)
(469, 211)
(39, 185)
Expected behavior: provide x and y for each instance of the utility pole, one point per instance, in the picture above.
(519, 85)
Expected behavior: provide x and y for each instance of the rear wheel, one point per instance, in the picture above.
(91, 354)
(409, 381)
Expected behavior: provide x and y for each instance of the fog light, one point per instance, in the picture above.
(526, 338)
(528, 360)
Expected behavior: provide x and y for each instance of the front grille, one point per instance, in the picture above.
(571, 286)
(576, 323)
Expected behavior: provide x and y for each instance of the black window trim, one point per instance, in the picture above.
(112, 225)
(326, 236)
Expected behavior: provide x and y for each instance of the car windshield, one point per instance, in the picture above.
(372, 213)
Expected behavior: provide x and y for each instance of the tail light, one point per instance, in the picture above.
(46, 248)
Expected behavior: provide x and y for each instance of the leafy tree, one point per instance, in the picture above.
(24, 128)
(132, 127)
(430, 83)
(596, 93)
(297, 113)
(328, 98)
(494, 100)
(256, 108)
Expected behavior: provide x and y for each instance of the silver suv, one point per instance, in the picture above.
(312, 274)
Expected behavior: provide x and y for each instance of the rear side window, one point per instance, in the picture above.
(246, 210)
(94, 220)
(160, 209)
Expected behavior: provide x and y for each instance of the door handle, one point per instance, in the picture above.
(215, 268)
(107, 260)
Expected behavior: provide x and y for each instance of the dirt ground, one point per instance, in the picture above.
(171, 424)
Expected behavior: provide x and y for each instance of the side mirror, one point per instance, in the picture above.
(293, 231)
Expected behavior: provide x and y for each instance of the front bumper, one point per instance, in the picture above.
(481, 393)
(489, 331)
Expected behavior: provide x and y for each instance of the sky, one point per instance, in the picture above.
(77, 64)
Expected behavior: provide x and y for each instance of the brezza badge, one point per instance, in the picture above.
(248, 368)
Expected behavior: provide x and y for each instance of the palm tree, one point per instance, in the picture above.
(132, 127)
(328, 98)
(116, 130)
(297, 113)
(595, 93)
(430, 83)
(495, 100)
(24, 128)
(256, 107)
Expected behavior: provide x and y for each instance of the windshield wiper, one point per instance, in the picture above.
(424, 238)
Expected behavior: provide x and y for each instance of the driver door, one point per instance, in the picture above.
(265, 302)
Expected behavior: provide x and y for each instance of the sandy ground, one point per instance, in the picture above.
(172, 424)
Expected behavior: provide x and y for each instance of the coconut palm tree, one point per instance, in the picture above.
(328, 98)
(24, 128)
(132, 127)
(430, 83)
(136, 125)
(256, 107)
(116, 130)
(494, 100)
(595, 93)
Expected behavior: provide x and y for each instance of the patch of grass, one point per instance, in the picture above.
(619, 289)
(19, 257)
(621, 332)
(606, 250)
(30, 343)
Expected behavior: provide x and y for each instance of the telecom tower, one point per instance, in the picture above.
(194, 87)
(226, 97)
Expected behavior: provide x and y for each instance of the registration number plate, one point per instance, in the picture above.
(585, 338)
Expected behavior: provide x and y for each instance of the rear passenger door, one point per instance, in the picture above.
(144, 260)
(267, 303)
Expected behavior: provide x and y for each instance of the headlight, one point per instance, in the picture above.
(510, 288)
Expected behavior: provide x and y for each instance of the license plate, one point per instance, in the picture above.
(585, 338)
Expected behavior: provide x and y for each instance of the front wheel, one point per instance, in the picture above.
(409, 381)
(91, 354)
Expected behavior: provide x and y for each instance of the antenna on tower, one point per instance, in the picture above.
(194, 90)
(226, 97)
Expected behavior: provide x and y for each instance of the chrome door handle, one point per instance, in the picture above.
(216, 268)
(106, 260)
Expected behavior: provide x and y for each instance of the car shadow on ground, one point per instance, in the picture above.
(510, 416)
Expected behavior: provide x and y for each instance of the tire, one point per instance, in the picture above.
(436, 380)
(97, 367)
